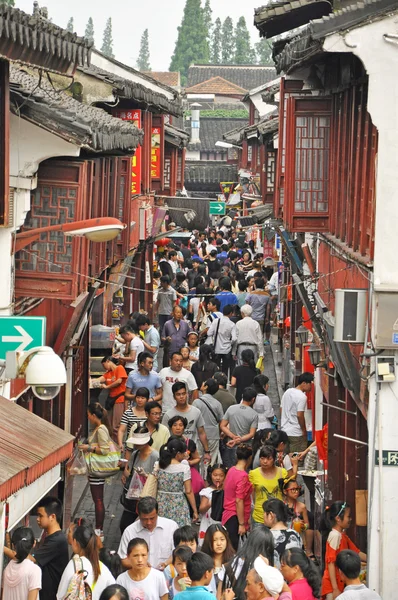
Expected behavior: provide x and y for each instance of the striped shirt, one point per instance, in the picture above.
(130, 419)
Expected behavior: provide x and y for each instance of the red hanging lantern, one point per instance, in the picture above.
(163, 242)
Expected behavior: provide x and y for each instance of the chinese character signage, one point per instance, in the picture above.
(155, 153)
(133, 115)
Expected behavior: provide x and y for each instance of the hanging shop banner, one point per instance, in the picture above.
(155, 152)
(134, 116)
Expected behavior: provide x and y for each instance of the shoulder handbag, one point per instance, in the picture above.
(151, 485)
(110, 401)
(210, 408)
(102, 466)
(217, 505)
(129, 504)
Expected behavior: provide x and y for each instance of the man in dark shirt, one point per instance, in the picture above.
(52, 554)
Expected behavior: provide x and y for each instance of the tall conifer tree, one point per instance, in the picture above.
(215, 55)
(89, 33)
(107, 40)
(143, 62)
(264, 52)
(244, 53)
(227, 42)
(191, 45)
(70, 26)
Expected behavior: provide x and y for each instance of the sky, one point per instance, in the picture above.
(131, 17)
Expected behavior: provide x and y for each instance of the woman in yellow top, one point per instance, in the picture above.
(267, 481)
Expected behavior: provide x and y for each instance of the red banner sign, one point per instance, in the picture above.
(155, 152)
(133, 115)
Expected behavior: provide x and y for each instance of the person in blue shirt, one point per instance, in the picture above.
(200, 571)
(226, 296)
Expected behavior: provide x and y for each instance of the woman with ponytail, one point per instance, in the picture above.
(98, 442)
(85, 550)
(301, 574)
(174, 483)
(243, 376)
(22, 578)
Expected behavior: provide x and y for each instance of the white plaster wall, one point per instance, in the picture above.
(380, 59)
(107, 65)
(30, 145)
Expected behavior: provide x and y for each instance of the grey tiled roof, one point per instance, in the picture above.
(175, 136)
(210, 171)
(246, 76)
(212, 130)
(277, 17)
(36, 100)
(34, 40)
(136, 91)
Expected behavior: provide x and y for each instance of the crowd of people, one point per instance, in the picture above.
(212, 501)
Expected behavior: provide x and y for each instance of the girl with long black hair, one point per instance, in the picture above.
(234, 574)
(174, 483)
(205, 367)
(85, 546)
(22, 578)
(301, 574)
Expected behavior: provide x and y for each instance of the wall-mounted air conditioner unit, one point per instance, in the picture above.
(350, 316)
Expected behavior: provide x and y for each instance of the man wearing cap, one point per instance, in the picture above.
(156, 531)
(293, 405)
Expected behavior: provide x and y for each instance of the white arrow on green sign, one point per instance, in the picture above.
(21, 333)
(217, 208)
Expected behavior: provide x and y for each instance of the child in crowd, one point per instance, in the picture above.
(215, 477)
(22, 578)
(180, 581)
(186, 362)
(200, 572)
(338, 518)
(183, 536)
(349, 564)
(192, 344)
(218, 545)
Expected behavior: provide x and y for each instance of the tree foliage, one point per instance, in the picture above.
(215, 55)
(264, 52)
(208, 22)
(8, 2)
(107, 40)
(192, 44)
(89, 32)
(143, 61)
(244, 53)
(227, 42)
(70, 26)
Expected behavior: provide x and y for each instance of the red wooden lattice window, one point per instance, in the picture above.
(307, 168)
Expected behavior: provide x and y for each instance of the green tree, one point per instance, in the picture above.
(208, 21)
(70, 26)
(107, 40)
(244, 53)
(191, 45)
(264, 52)
(143, 61)
(216, 43)
(227, 42)
(8, 2)
(89, 33)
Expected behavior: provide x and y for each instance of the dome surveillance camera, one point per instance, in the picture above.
(46, 392)
(45, 373)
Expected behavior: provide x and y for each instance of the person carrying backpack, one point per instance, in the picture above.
(85, 577)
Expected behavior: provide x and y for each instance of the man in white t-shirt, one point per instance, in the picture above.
(170, 375)
(134, 347)
(293, 404)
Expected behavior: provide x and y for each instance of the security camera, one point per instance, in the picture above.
(46, 392)
(44, 370)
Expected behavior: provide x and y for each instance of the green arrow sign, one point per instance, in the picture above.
(21, 333)
(217, 208)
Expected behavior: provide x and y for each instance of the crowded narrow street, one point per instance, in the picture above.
(198, 310)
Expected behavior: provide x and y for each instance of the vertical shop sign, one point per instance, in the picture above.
(134, 116)
(155, 153)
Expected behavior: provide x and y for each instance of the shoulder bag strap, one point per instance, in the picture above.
(216, 336)
(210, 408)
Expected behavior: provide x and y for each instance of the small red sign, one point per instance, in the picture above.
(133, 115)
(155, 152)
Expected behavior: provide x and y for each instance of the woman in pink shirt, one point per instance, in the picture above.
(301, 574)
(237, 496)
